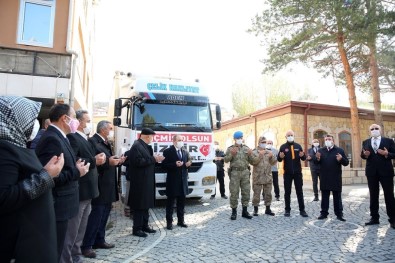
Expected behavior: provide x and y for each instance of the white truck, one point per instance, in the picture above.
(169, 107)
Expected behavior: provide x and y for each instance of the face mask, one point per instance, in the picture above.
(215, 147)
(239, 141)
(375, 133)
(111, 134)
(179, 145)
(73, 124)
(328, 143)
(290, 138)
(87, 130)
(268, 146)
(262, 145)
(36, 128)
(316, 144)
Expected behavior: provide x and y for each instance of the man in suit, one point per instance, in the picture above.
(34, 142)
(108, 192)
(142, 181)
(378, 152)
(54, 142)
(176, 161)
(314, 167)
(88, 188)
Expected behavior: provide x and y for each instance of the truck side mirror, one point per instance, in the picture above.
(117, 107)
(218, 113)
(116, 121)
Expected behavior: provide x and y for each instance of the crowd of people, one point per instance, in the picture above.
(56, 196)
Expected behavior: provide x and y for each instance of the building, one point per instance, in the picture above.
(308, 121)
(46, 49)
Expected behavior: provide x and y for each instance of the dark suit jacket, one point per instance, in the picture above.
(65, 193)
(376, 164)
(177, 177)
(313, 166)
(108, 187)
(84, 150)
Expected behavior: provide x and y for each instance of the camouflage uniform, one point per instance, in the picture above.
(239, 174)
(262, 177)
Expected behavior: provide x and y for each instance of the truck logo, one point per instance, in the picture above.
(205, 149)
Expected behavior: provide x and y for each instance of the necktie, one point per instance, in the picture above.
(179, 155)
(375, 146)
(292, 152)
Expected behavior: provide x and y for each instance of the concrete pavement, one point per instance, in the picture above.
(213, 237)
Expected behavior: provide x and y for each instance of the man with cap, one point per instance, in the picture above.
(239, 156)
(142, 181)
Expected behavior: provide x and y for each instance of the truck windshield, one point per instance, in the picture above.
(172, 117)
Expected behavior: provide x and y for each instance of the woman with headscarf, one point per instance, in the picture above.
(27, 217)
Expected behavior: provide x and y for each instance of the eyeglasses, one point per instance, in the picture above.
(372, 129)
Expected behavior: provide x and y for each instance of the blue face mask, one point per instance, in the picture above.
(262, 145)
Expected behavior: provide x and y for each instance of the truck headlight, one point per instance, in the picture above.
(208, 180)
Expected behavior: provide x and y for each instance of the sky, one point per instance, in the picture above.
(189, 39)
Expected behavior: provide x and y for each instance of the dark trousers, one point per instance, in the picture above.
(275, 184)
(96, 228)
(180, 208)
(298, 181)
(221, 181)
(387, 183)
(314, 176)
(140, 219)
(61, 229)
(337, 202)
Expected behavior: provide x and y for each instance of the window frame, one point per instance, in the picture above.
(21, 22)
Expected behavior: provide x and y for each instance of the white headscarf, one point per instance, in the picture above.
(17, 116)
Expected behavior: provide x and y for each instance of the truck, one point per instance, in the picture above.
(169, 106)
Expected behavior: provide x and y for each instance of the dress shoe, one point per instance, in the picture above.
(148, 229)
(341, 218)
(322, 217)
(169, 227)
(372, 222)
(303, 213)
(287, 214)
(316, 199)
(88, 253)
(392, 225)
(277, 198)
(139, 233)
(212, 197)
(224, 197)
(182, 224)
(105, 245)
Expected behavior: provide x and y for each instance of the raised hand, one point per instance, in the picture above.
(100, 158)
(366, 152)
(82, 168)
(281, 154)
(338, 157)
(55, 165)
(383, 152)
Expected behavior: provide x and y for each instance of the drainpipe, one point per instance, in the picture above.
(305, 130)
(74, 54)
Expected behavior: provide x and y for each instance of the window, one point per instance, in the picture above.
(320, 135)
(345, 144)
(36, 22)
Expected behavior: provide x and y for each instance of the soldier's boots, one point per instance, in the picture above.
(255, 210)
(234, 214)
(268, 211)
(245, 213)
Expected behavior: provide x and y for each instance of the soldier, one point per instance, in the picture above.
(239, 156)
(262, 176)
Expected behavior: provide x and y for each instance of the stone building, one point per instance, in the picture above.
(308, 121)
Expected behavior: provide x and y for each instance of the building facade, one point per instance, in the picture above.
(308, 121)
(46, 51)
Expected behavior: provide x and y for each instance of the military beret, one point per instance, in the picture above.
(147, 131)
(238, 135)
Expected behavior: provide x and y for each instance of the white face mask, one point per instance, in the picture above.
(111, 134)
(179, 144)
(36, 128)
(268, 146)
(290, 138)
(87, 130)
(215, 147)
(239, 141)
(316, 144)
(328, 144)
(375, 133)
(262, 145)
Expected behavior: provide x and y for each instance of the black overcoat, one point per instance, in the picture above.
(142, 176)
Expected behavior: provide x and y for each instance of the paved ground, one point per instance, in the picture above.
(213, 237)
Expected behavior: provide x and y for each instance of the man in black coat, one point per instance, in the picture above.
(378, 152)
(291, 153)
(54, 142)
(88, 187)
(331, 158)
(95, 233)
(219, 162)
(176, 161)
(142, 181)
(314, 167)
